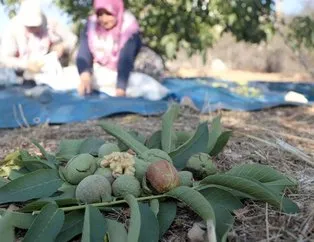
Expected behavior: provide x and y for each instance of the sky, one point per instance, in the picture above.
(292, 6)
(289, 7)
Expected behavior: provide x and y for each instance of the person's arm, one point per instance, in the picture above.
(84, 63)
(84, 59)
(130, 44)
(126, 60)
(67, 38)
(8, 51)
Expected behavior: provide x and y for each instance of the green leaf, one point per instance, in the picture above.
(41, 183)
(154, 141)
(221, 143)
(34, 206)
(66, 202)
(289, 206)
(214, 133)
(17, 219)
(6, 229)
(135, 219)
(51, 160)
(66, 186)
(14, 174)
(136, 135)
(73, 226)
(222, 198)
(95, 227)
(182, 137)
(3, 181)
(68, 192)
(26, 156)
(33, 163)
(69, 148)
(167, 214)
(46, 226)
(252, 188)
(154, 205)
(116, 231)
(195, 201)
(168, 136)
(262, 173)
(223, 203)
(224, 222)
(197, 144)
(122, 135)
(39, 204)
(149, 224)
(280, 185)
(91, 146)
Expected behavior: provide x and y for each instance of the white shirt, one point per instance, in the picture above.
(9, 43)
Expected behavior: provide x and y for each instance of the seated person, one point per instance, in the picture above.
(109, 44)
(30, 36)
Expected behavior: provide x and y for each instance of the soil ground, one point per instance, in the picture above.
(256, 139)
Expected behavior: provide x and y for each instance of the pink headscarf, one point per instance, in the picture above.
(116, 8)
(126, 26)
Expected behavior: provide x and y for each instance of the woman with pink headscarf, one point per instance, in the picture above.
(109, 45)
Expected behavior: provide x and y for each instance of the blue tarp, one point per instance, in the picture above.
(21, 105)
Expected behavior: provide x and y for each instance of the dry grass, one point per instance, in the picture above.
(255, 222)
(241, 76)
(295, 126)
(262, 59)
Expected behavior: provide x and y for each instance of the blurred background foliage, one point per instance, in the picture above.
(196, 25)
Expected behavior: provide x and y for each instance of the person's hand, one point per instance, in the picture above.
(59, 49)
(34, 66)
(85, 86)
(120, 92)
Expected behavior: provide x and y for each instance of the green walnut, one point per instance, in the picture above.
(140, 168)
(105, 172)
(186, 178)
(79, 167)
(126, 184)
(201, 165)
(94, 189)
(107, 149)
(98, 161)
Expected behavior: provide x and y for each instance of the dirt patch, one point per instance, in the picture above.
(255, 222)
